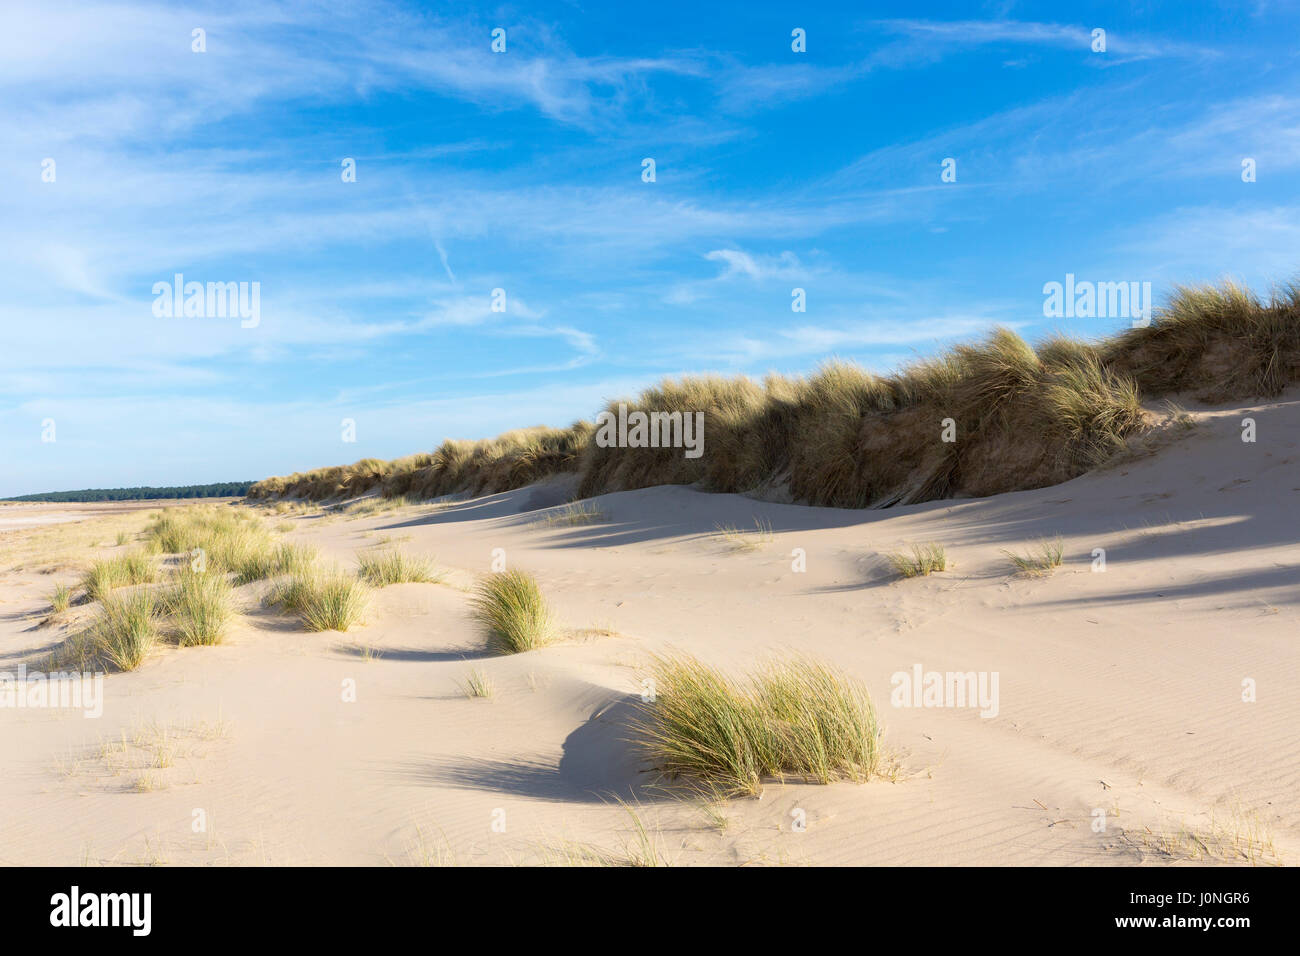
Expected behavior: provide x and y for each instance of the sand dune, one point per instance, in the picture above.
(1118, 691)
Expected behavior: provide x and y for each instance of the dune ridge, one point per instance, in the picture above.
(978, 420)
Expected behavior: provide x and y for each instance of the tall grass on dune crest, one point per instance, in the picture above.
(1219, 342)
(1016, 417)
(512, 612)
(794, 718)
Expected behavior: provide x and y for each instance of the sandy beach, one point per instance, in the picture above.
(1119, 691)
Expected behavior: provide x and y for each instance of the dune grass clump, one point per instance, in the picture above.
(381, 568)
(377, 505)
(126, 629)
(332, 601)
(224, 540)
(104, 576)
(1042, 559)
(60, 598)
(574, 513)
(291, 592)
(794, 718)
(514, 615)
(200, 605)
(477, 684)
(921, 560)
(741, 539)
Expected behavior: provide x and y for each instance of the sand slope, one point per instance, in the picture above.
(1119, 691)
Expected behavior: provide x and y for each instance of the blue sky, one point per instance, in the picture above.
(522, 171)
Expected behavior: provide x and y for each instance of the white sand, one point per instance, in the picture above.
(1119, 691)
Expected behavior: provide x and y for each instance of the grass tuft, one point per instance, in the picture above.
(742, 540)
(333, 602)
(60, 598)
(510, 607)
(794, 718)
(381, 568)
(1041, 560)
(200, 606)
(574, 513)
(923, 559)
(104, 576)
(477, 684)
(126, 629)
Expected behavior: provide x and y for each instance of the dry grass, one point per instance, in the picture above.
(323, 600)
(1024, 417)
(794, 718)
(739, 539)
(121, 571)
(124, 632)
(514, 615)
(217, 538)
(335, 602)
(477, 684)
(378, 505)
(199, 604)
(574, 513)
(60, 598)
(381, 568)
(1042, 559)
(1236, 836)
(921, 560)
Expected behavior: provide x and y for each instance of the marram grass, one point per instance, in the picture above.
(1025, 417)
(60, 598)
(126, 629)
(920, 560)
(1042, 559)
(793, 718)
(334, 602)
(199, 604)
(381, 568)
(104, 576)
(513, 613)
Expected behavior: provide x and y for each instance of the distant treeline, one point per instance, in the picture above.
(223, 489)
